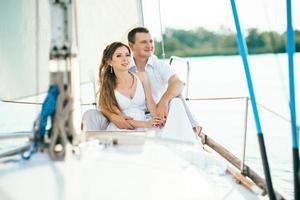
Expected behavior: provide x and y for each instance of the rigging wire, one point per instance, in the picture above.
(188, 99)
(38, 103)
(161, 31)
(37, 50)
(281, 116)
(278, 65)
(243, 53)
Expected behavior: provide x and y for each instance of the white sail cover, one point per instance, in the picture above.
(25, 40)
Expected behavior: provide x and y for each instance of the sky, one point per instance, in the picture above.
(212, 14)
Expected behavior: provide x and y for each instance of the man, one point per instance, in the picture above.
(164, 83)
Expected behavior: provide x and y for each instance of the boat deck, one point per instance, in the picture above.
(148, 170)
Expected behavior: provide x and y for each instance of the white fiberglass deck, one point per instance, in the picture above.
(152, 170)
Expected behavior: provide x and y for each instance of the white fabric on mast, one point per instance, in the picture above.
(99, 23)
(18, 48)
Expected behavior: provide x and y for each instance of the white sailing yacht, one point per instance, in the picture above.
(70, 164)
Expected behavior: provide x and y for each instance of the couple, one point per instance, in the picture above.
(129, 86)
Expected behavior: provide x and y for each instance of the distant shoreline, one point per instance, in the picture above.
(214, 55)
(201, 42)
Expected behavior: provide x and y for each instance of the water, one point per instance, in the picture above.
(221, 119)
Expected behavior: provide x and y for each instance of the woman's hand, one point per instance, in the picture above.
(162, 109)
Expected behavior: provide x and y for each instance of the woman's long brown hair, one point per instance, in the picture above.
(107, 78)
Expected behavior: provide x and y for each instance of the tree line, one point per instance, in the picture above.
(202, 42)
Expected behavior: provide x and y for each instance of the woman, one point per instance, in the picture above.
(122, 92)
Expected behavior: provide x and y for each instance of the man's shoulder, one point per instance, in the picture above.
(154, 57)
(156, 62)
(152, 60)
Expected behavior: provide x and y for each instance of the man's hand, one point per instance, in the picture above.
(162, 109)
(175, 87)
(121, 121)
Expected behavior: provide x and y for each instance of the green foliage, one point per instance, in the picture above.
(202, 42)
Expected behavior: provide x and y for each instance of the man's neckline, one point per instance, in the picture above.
(148, 63)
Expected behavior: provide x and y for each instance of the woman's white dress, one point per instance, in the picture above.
(177, 126)
(134, 107)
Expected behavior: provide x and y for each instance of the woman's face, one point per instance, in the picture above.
(120, 59)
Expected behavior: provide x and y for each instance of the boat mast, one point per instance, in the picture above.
(65, 74)
(243, 52)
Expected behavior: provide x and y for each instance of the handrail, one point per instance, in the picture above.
(216, 98)
(242, 163)
(245, 135)
(16, 150)
(188, 99)
(39, 103)
(187, 74)
(233, 98)
(231, 158)
(14, 135)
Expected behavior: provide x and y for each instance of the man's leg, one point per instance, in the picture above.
(93, 120)
(178, 126)
(194, 122)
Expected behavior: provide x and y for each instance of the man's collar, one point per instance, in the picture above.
(150, 61)
(133, 64)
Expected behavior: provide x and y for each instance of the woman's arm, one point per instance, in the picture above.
(149, 99)
(118, 119)
(153, 122)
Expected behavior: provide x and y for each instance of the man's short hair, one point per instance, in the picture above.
(133, 32)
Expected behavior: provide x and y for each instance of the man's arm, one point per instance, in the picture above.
(175, 87)
(148, 93)
(118, 119)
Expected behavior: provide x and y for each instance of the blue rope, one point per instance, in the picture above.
(48, 108)
(27, 154)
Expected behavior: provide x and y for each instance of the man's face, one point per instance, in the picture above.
(143, 45)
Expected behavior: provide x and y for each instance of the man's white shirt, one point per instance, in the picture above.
(158, 74)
